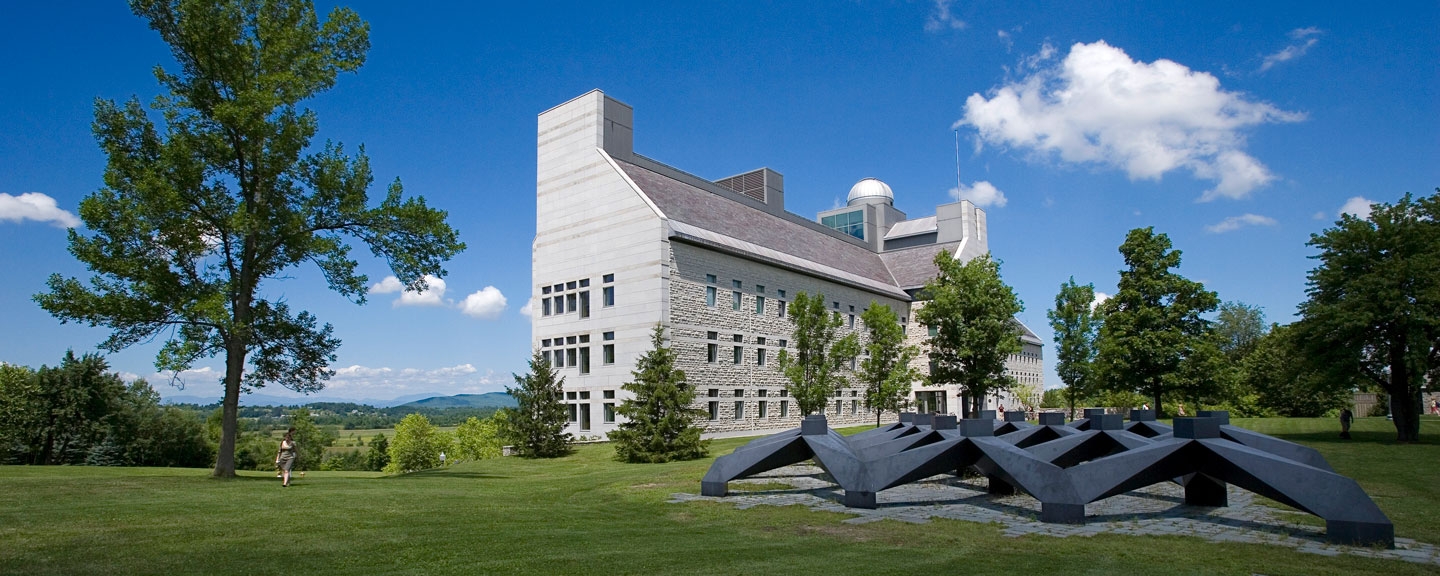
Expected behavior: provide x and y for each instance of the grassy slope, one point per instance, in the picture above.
(588, 514)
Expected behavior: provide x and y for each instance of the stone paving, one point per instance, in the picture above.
(1157, 510)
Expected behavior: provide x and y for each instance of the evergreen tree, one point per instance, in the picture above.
(1153, 322)
(1076, 323)
(537, 422)
(227, 192)
(971, 314)
(887, 370)
(660, 419)
(817, 369)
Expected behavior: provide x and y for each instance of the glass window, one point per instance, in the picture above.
(585, 360)
(569, 339)
(607, 336)
(781, 293)
(545, 307)
(710, 296)
(609, 394)
(584, 338)
(784, 391)
(607, 296)
(569, 395)
(852, 318)
(584, 416)
(739, 351)
(782, 308)
(933, 331)
(734, 300)
(837, 406)
(738, 338)
(760, 357)
(714, 410)
(739, 409)
(609, 413)
(713, 392)
(760, 409)
(559, 287)
(574, 412)
(585, 305)
(711, 352)
(710, 278)
(608, 278)
(760, 340)
(735, 284)
(854, 407)
(544, 289)
(739, 393)
(570, 302)
(570, 355)
(761, 392)
(584, 282)
(585, 395)
(783, 343)
(784, 408)
(759, 304)
(607, 354)
(570, 285)
(559, 304)
(852, 223)
(545, 343)
(559, 358)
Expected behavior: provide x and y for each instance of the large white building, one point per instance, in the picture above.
(623, 243)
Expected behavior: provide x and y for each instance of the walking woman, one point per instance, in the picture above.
(286, 457)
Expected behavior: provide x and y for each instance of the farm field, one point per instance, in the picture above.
(586, 513)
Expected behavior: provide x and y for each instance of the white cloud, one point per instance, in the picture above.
(1358, 207)
(358, 381)
(941, 19)
(1302, 40)
(486, 303)
(201, 375)
(1099, 106)
(1237, 222)
(528, 309)
(1005, 39)
(982, 193)
(1100, 298)
(35, 206)
(434, 294)
(389, 285)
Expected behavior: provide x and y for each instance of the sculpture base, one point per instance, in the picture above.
(714, 488)
(856, 499)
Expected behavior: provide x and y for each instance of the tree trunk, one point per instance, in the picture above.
(1404, 400)
(1158, 410)
(229, 425)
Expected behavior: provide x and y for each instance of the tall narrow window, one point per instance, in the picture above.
(559, 304)
(607, 354)
(545, 307)
(570, 302)
(585, 360)
(714, 410)
(609, 413)
(759, 304)
(712, 350)
(760, 409)
(739, 353)
(584, 416)
(735, 300)
(710, 296)
(570, 354)
(760, 357)
(852, 319)
(585, 307)
(784, 408)
(574, 412)
(739, 409)
(607, 296)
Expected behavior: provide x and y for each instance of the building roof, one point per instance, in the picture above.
(913, 267)
(905, 228)
(706, 210)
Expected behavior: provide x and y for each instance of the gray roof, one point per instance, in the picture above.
(683, 202)
(913, 267)
(912, 227)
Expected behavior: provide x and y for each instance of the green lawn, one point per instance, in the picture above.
(586, 514)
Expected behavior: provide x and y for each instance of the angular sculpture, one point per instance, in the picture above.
(1066, 467)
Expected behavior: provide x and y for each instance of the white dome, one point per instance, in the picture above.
(868, 189)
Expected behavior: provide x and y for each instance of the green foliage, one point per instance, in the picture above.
(1285, 382)
(1373, 307)
(1076, 322)
(822, 356)
(1055, 398)
(349, 460)
(536, 426)
(886, 371)
(227, 192)
(417, 445)
(972, 314)
(1153, 324)
(310, 440)
(378, 456)
(660, 422)
(478, 439)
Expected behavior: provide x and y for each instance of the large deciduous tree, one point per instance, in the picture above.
(971, 314)
(886, 370)
(659, 421)
(1373, 306)
(536, 425)
(822, 356)
(1076, 322)
(1153, 323)
(1288, 383)
(198, 212)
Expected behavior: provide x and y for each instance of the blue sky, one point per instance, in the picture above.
(1238, 129)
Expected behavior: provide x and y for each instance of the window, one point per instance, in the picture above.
(585, 395)
(714, 410)
(713, 393)
(710, 296)
(760, 357)
(782, 308)
(607, 336)
(607, 296)
(784, 392)
(607, 354)
(761, 392)
(569, 395)
(574, 412)
(585, 360)
(760, 409)
(934, 330)
(570, 302)
(584, 416)
(784, 408)
(559, 304)
(585, 306)
(783, 343)
(608, 413)
(559, 287)
(712, 350)
(608, 278)
(559, 358)
(739, 352)
(739, 409)
(544, 289)
(734, 300)
(570, 285)
(738, 338)
(570, 355)
(569, 340)
(835, 305)
(852, 319)
(710, 278)
(545, 343)
(545, 306)
(739, 393)
(854, 407)
(852, 223)
(735, 284)
(584, 282)
(837, 406)
(760, 340)
(609, 394)
(781, 299)
(759, 304)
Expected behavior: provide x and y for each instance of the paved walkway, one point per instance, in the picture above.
(1157, 510)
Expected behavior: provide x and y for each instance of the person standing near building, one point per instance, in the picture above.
(1346, 417)
(285, 459)
(1435, 407)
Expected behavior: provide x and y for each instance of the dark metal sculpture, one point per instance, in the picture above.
(1066, 467)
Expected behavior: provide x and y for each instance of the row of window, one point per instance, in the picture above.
(712, 350)
(580, 411)
(762, 409)
(574, 296)
(712, 293)
(571, 351)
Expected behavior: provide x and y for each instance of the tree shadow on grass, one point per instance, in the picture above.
(441, 474)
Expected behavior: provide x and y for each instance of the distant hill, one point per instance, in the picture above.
(486, 400)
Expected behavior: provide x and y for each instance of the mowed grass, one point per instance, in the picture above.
(586, 514)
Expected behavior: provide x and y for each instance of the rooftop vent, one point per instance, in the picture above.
(751, 184)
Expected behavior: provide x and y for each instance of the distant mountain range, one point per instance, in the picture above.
(429, 400)
(486, 400)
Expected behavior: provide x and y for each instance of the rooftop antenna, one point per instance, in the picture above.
(958, 185)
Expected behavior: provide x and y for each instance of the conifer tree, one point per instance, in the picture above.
(660, 424)
(536, 425)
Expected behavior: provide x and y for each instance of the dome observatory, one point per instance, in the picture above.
(870, 191)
